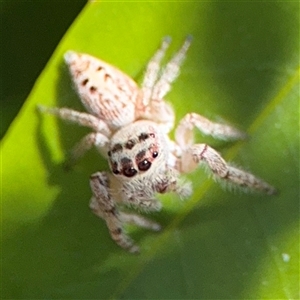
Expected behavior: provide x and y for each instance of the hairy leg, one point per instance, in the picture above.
(226, 173)
(152, 71)
(184, 131)
(140, 221)
(152, 105)
(139, 199)
(170, 72)
(80, 118)
(104, 206)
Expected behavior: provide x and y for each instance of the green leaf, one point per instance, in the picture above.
(242, 67)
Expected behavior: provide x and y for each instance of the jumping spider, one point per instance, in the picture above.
(130, 128)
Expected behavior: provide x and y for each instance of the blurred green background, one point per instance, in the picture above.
(243, 67)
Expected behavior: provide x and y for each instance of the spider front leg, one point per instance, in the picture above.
(223, 171)
(152, 71)
(184, 132)
(104, 206)
(170, 72)
(157, 83)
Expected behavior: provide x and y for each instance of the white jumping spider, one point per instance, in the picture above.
(130, 128)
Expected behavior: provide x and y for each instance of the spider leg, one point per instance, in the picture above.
(98, 138)
(104, 206)
(226, 173)
(141, 202)
(154, 89)
(170, 72)
(152, 71)
(81, 118)
(139, 221)
(184, 131)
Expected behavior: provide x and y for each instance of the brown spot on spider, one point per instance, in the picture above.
(116, 148)
(107, 77)
(84, 82)
(143, 136)
(93, 89)
(130, 144)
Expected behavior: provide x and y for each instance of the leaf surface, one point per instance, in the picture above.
(242, 67)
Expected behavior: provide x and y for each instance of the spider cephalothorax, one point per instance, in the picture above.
(131, 128)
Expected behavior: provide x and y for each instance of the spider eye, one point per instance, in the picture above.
(129, 172)
(154, 154)
(144, 165)
(114, 167)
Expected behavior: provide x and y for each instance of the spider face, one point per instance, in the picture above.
(137, 149)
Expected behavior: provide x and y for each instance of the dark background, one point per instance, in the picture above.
(37, 40)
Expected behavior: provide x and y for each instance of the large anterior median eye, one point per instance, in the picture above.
(129, 172)
(144, 165)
